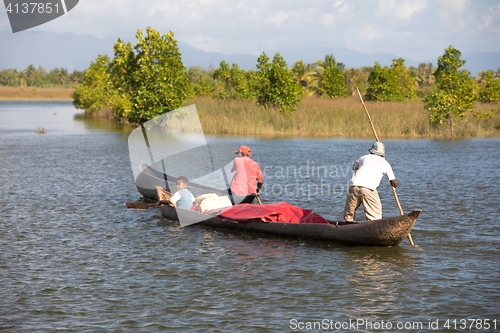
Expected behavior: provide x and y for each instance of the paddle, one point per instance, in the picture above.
(258, 199)
(163, 198)
(141, 205)
(376, 138)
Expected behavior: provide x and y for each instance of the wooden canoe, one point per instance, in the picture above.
(384, 232)
(147, 181)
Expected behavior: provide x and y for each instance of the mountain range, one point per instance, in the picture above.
(71, 51)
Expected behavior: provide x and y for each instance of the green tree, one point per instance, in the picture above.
(231, 83)
(391, 84)
(253, 79)
(198, 73)
(489, 90)
(406, 81)
(383, 85)
(94, 92)
(455, 90)
(357, 77)
(76, 77)
(425, 74)
(58, 76)
(329, 62)
(123, 66)
(41, 77)
(151, 76)
(8, 77)
(430, 73)
(302, 74)
(203, 82)
(481, 76)
(30, 74)
(204, 87)
(415, 75)
(21, 79)
(276, 86)
(140, 83)
(333, 83)
(326, 68)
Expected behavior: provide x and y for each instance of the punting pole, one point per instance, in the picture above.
(376, 138)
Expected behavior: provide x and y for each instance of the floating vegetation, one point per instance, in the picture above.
(40, 130)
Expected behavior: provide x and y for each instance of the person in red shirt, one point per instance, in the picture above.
(247, 181)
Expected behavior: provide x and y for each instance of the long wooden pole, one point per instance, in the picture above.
(376, 138)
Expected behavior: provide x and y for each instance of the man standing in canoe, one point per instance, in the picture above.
(368, 171)
(247, 181)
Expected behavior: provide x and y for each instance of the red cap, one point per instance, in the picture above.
(244, 150)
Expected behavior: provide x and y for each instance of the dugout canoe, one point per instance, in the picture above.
(149, 178)
(384, 232)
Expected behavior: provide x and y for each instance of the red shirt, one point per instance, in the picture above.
(247, 173)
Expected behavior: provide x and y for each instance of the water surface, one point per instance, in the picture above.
(75, 259)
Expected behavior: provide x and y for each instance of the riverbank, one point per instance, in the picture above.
(35, 94)
(314, 117)
(344, 117)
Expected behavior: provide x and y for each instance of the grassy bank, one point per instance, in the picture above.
(314, 117)
(36, 94)
(319, 117)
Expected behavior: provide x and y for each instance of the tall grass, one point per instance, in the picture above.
(32, 93)
(320, 117)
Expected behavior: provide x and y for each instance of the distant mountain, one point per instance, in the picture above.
(51, 50)
(192, 56)
(350, 58)
(71, 51)
(481, 61)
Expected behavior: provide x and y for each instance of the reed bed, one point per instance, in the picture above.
(314, 117)
(321, 117)
(39, 94)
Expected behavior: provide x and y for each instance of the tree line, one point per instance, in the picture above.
(39, 77)
(147, 79)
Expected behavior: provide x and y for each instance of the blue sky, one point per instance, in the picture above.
(413, 29)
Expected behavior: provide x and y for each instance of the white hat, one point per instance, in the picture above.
(378, 149)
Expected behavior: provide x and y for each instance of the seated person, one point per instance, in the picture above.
(183, 198)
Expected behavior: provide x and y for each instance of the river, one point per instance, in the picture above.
(75, 259)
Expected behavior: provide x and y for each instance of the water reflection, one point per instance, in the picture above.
(74, 258)
(102, 124)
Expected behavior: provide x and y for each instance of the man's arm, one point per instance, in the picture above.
(259, 185)
(175, 198)
(390, 175)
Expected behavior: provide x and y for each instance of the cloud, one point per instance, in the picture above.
(403, 9)
(385, 7)
(371, 33)
(408, 8)
(341, 6)
(328, 21)
(278, 18)
(455, 6)
(416, 29)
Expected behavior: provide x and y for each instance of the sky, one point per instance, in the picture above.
(412, 29)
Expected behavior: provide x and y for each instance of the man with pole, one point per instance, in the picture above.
(376, 138)
(369, 170)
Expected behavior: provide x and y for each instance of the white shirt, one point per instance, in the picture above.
(183, 199)
(371, 170)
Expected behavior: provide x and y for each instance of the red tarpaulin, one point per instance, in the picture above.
(276, 212)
